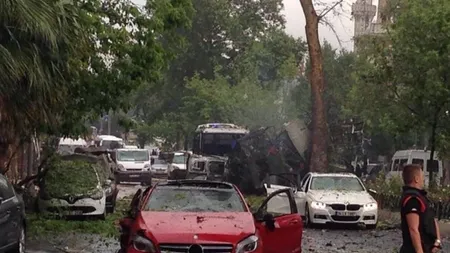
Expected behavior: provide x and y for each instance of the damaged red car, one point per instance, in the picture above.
(196, 216)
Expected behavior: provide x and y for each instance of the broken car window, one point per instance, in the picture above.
(194, 199)
(336, 184)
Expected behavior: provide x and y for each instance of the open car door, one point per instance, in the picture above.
(299, 197)
(280, 222)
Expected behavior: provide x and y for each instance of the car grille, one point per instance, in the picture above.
(207, 248)
(339, 207)
(82, 209)
(345, 218)
(353, 207)
(133, 169)
(342, 207)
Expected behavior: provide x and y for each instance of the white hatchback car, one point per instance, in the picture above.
(89, 204)
(333, 198)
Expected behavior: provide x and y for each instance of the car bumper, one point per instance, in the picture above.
(130, 249)
(134, 176)
(328, 215)
(159, 173)
(81, 207)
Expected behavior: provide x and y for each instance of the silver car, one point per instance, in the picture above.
(159, 168)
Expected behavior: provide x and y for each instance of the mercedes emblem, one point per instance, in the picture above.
(71, 199)
(195, 248)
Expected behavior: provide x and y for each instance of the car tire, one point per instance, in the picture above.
(21, 244)
(111, 207)
(308, 222)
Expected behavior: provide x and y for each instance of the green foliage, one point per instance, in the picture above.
(402, 84)
(233, 48)
(66, 62)
(39, 225)
(71, 178)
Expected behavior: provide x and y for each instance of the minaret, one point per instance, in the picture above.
(363, 12)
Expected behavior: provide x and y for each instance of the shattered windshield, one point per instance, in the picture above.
(133, 155)
(194, 199)
(219, 144)
(336, 184)
(178, 159)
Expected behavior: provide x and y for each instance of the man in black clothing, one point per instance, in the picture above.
(420, 230)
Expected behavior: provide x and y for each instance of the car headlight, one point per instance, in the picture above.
(318, 205)
(121, 168)
(142, 244)
(249, 244)
(147, 167)
(371, 206)
(98, 194)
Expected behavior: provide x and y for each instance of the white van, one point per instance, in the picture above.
(422, 157)
(109, 141)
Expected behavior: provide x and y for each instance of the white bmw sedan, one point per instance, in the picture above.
(326, 198)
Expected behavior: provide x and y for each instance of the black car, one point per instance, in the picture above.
(12, 219)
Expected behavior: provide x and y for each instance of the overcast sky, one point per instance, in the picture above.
(342, 23)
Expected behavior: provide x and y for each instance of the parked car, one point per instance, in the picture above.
(177, 167)
(208, 216)
(159, 167)
(133, 166)
(12, 219)
(90, 199)
(325, 198)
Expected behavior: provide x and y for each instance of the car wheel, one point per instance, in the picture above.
(308, 222)
(20, 247)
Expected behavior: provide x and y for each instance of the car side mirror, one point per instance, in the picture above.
(269, 221)
(372, 191)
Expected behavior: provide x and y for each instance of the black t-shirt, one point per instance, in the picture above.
(415, 201)
(412, 206)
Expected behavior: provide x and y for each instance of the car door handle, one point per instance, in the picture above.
(293, 222)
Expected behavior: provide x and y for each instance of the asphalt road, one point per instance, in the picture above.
(314, 241)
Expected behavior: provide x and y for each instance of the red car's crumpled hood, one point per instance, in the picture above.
(180, 227)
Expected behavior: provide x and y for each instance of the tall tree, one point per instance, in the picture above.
(222, 32)
(412, 72)
(319, 133)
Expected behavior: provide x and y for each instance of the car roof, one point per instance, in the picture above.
(109, 138)
(132, 149)
(197, 183)
(343, 174)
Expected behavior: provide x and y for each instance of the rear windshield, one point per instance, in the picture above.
(194, 199)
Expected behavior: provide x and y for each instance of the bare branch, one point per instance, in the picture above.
(328, 23)
(327, 10)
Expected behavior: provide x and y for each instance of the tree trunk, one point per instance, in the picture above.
(432, 182)
(319, 134)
